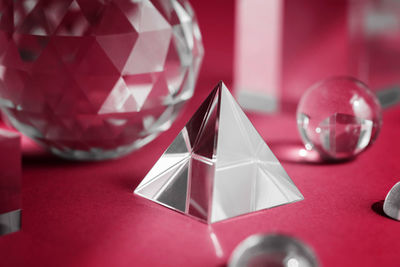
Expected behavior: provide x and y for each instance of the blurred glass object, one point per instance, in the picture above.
(10, 182)
(389, 96)
(283, 46)
(339, 117)
(257, 58)
(92, 80)
(391, 206)
(374, 28)
(274, 250)
(218, 166)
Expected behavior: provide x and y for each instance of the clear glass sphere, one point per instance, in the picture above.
(339, 117)
(96, 79)
(274, 250)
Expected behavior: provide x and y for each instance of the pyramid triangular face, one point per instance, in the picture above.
(218, 166)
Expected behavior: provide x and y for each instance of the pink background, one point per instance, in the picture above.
(84, 214)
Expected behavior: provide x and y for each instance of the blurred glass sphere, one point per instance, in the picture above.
(274, 250)
(339, 117)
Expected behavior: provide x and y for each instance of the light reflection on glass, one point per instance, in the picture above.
(272, 250)
(292, 262)
(218, 166)
(339, 117)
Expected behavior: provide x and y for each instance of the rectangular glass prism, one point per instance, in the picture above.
(282, 47)
(375, 43)
(10, 182)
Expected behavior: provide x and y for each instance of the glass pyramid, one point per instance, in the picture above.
(218, 166)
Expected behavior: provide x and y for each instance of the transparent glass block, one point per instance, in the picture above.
(10, 182)
(339, 117)
(96, 79)
(374, 28)
(274, 250)
(218, 166)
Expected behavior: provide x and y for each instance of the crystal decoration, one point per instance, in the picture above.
(218, 166)
(391, 206)
(96, 79)
(272, 250)
(10, 182)
(374, 30)
(339, 117)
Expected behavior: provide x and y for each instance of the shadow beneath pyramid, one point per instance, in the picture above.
(294, 152)
(129, 183)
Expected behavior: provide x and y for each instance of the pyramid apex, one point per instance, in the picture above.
(221, 84)
(219, 88)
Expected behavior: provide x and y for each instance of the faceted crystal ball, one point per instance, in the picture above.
(274, 250)
(96, 79)
(339, 117)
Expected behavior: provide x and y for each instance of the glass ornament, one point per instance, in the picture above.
(203, 175)
(339, 117)
(10, 182)
(96, 79)
(391, 206)
(275, 250)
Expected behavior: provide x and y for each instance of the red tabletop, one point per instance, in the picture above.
(85, 214)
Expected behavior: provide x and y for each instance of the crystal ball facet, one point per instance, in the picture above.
(339, 117)
(96, 79)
